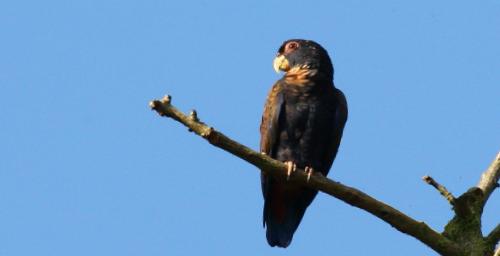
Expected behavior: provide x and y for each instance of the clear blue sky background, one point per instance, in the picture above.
(87, 169)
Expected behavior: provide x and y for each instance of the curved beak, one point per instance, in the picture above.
(280, 63)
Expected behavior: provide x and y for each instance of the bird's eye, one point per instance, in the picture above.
(292, 45)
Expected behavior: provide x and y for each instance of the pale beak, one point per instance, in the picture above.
(280, 63)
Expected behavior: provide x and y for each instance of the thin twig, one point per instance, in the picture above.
(350, 195)
(442, 189)
(489, 179)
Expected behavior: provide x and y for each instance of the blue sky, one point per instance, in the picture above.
(87, 169)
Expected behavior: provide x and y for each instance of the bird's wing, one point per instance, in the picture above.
(269, 129)
(339, 121)
(340, 115)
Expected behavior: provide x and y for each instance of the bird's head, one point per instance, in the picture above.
(305, 55)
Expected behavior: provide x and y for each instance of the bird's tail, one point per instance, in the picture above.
(281, 233)
(282, 219)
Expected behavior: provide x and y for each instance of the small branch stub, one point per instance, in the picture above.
(167, 99)
(442, 190)
(193, 115)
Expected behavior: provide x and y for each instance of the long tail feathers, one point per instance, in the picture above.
(282, 222)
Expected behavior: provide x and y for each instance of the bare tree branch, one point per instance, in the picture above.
(494, 236)
(489, 179)
(447, 194)
(352, 196)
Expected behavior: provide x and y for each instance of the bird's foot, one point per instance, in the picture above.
(309, 171)
(290, 167)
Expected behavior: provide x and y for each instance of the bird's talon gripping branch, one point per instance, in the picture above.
(290, 167)
(309, 171)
